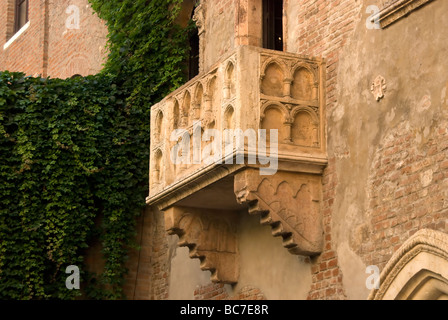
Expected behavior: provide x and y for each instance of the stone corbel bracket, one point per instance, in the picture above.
(211, 237)
(289, 202)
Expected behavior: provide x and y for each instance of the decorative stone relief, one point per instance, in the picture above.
(272, 80)
(210, 235)
(250, 89)
(378, 88)
(418, 270)
(393, 10)
(289, 203)
(296, 124)
(303, 85)
(199, 18)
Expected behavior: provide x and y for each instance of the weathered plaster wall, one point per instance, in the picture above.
(264, 265)
(391, 156)
(219, 34)
(186, 274)
(387, 173)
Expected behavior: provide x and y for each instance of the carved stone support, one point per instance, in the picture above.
(287, 87)
(288, 126)
(289, 202)
(210, 235)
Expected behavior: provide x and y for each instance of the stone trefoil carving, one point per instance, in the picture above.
(378, 88)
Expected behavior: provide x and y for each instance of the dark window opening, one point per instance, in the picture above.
(193, 60)
(21, 14)
(273, 24)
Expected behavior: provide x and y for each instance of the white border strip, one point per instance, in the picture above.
(14, 37)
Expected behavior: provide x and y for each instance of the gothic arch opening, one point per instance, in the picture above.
(417, 271)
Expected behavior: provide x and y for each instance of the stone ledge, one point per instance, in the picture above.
(396, 10)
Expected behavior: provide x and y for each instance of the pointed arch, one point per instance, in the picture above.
(418, 270)
(273, 75)
(158, 132)
(303, 83)
(176, 114)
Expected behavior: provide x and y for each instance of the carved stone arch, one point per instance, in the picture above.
(229, 117)
(229, 80)
(282, 64)
(159, 125)
(211, 101)
(274, 74)
(195, 227)
(185, 108)
(275, 116)
(417, 271)
(305, 127)
(157, 167)
(198, 101)
(211, 84)
(277, 105)
(176, 114)
(306, 109)
(311, 68)
(304, 82)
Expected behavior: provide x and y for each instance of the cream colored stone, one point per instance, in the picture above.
(418, 270)
(251, 88)
(378, 88)
(210, 237)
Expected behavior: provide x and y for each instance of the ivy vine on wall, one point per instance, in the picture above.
(76, 151)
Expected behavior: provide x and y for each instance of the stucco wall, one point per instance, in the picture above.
(219, 34)
(264, 264)
(390, 156)
(387, 174)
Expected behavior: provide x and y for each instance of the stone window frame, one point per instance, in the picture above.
(12, 30)
(393, 10)
(17, 4)
(249, 27)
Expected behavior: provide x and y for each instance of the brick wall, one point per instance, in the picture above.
(48, 47)
(408, 189)
(149, 265)
(406, 186)
(27, 52)
(75, 51)
(218, 292)
(323, 29)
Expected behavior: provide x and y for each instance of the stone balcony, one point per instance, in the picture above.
(250, 89)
